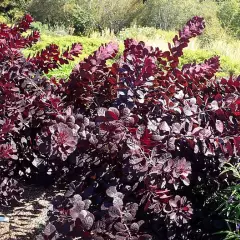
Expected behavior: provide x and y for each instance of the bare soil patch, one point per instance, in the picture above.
(26, 219)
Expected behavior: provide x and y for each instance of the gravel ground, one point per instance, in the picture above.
(26, 220)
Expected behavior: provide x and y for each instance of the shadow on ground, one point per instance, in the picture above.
(28, 217)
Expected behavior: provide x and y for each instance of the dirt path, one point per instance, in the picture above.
(26, 220)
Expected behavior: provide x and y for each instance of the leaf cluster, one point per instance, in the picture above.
(142, 140)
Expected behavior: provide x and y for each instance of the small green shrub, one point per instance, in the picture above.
(229, 202)
(228, 66)
(64, 41)
(82, 20)
(89, 46)
(3, 19)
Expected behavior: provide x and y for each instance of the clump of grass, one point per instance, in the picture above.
(146, 34)
(229, 49)
(229, 199)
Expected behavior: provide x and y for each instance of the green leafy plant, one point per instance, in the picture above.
(230, 202)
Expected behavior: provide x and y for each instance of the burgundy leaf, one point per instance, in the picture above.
(119, 227)
(114, 212)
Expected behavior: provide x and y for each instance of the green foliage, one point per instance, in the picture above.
(48, 12)
(146, 33)
(115, 15)
(57, 30)
(171, 15)
(230, 202)
(72, 15)
(229, 15)
(3, 19)
(104, 17)
(209, 9)
(228, 66)
(82, 20)
(167, 14)
(89, 46)
(13, 9)
(85, 16)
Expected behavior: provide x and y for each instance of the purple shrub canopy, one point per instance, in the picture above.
(138, 138)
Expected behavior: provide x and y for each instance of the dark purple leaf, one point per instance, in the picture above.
(114, 212)
(120, 227)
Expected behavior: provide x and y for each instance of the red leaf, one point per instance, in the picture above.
(111, 115)
(112, 80)
(147, 205)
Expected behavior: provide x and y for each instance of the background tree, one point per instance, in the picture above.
(84, 15)
(229, 15)
(115, 15)
(48, 11)
(13, 9)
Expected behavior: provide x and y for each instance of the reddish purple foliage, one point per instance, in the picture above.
(50, 57)
(141, 138)
(8, 151)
